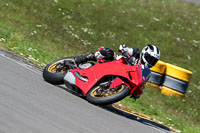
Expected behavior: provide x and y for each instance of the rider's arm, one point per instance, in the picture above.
(132, 54)
(128, 51)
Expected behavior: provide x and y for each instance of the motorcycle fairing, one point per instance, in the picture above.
(116, 82)
(98, 71)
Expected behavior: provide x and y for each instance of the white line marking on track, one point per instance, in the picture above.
(22, 64)
(154, 127)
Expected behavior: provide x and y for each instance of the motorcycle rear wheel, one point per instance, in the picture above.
(51, 75)
(107, 98)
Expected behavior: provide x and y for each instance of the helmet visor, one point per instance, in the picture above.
(150, 59)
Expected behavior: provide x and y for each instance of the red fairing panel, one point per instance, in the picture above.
(96, 72)
(137, 76)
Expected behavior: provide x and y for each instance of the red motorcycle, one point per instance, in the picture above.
(101, 83)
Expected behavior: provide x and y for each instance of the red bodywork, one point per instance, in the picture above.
(119, 68)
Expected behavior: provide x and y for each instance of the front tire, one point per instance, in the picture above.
(51, 75)
(108, 98)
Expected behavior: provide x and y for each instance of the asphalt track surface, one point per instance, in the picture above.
(28, 104)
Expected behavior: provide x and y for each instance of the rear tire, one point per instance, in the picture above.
(95, 99)
(51, 76)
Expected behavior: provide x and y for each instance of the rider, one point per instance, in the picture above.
(148, 57)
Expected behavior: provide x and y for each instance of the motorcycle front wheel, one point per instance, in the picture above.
(54, 76)
(104, 96)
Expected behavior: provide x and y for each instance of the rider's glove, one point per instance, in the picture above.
(132, 60)
(126, 51)
(122, 48)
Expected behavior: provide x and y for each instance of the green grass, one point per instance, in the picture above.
(170, 111)
(47, 30)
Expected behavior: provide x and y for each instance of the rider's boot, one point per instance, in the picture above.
(84, 58)
(102, 54)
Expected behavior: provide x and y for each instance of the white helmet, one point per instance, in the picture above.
(150, 55)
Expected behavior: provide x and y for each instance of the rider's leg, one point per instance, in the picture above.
(84, 58)
(102, 54)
